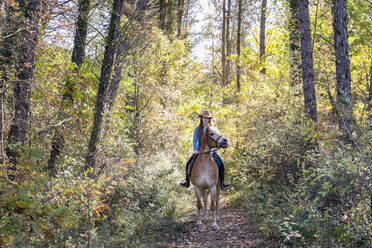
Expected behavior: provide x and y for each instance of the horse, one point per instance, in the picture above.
(204, 174)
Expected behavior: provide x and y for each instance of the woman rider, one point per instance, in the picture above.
(205, 119)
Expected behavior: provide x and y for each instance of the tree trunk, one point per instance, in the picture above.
(31, 11)
(171, 6)
(294, 44)
(186, 17)
(369, 106)
(343, 87)
(8, 57)
(1, 124)
(162, 14)
(228, 42)
(262, 35)
(78, 54)
(110, 49)
(180, 5)
(123, 47)
(307, 61)
(223, 46)
(238, 38)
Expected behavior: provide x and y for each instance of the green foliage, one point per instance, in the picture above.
(300, 185)
(37, 211)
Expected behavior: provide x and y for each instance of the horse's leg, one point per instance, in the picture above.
(198, 205)
(213, 192)
(205, 207)
(217, 198)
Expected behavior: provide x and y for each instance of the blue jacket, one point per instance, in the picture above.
(197, 139)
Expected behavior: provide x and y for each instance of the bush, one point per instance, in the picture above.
(322, 200)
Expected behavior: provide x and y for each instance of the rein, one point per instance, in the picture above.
(215, 149)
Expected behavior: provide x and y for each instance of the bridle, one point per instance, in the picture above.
(215, 140)
(217, 144)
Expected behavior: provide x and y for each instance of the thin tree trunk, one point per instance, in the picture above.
(186, 18)
(369, 106)
(307, 61)
(171, 7)
(180, 5)
(1, 124)
(262, 35)
(78, 54)
(238, 38)
(228, 42)
(123, 47)
(223, 51)
(106, 70)
(346, 121)
(31, 12)
(162, 14)
(294, 44)
(7, 59)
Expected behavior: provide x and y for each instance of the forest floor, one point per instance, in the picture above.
(235, 230)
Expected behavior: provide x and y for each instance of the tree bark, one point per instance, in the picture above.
(171, 7)
(307, 61)
(7, 60)
(31, 11)
(124, 45)
(110, 49)
(238, 38)
(346, 121)
(369, 106)
(294, 44)
(262, 35)
(78, 51)
(180, 5)
(223, 46)
(78, 54)
(186, 17)
(228, 42)
(1, 123)
(162, 14)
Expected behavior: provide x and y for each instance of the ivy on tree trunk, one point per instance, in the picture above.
(30, 14)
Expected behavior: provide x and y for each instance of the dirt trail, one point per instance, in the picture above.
(234, 231)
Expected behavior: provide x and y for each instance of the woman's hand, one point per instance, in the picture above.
(196, 151)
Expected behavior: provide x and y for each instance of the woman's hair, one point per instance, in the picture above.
(200, 127)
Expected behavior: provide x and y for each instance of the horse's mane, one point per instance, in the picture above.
(214, 129)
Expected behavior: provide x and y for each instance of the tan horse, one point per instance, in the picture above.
(204, 174)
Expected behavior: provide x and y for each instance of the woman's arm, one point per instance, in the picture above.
(195, 140)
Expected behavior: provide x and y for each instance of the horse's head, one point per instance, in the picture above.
(215, 140)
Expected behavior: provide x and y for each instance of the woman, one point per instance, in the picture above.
(205, 119)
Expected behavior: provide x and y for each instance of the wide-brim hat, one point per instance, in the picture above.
(205, 114)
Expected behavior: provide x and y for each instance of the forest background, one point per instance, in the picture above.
(99, 100)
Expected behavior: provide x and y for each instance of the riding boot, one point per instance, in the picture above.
(189, 165)
(187, 183)
(222, 179)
